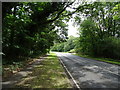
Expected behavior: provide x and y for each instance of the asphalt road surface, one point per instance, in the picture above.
(90, 73)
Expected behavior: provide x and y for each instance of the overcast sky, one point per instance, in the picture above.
(72, 30)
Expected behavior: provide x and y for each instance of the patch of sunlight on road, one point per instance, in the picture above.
(97, 78)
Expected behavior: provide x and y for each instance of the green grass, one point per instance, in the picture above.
(108, 60)
(48, 74)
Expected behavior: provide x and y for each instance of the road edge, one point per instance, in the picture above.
(69, 74)
(98, 60)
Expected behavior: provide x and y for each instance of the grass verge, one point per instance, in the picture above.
(48, 74)
(108, 60)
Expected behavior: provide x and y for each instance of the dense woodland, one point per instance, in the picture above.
(29, 29)
(32, 28)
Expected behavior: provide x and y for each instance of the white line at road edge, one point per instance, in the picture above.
(70, 74)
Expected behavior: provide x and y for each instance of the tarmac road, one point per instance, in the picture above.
(90, 73)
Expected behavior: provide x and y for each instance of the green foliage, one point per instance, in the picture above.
(116, 9)
(65, 46)
(88, 37)
(99, 32)
(72, 51)
(58, 47)
(29, 29)
(109, 47)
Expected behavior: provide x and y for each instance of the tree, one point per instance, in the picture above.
(33, 30)
(99, 31)
(116, 9)
(68, 45)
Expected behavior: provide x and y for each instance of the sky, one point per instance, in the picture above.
(72, 30)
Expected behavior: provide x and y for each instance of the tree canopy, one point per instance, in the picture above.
(31, 28)
(99, 29)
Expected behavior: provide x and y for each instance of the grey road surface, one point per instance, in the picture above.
(90, 73)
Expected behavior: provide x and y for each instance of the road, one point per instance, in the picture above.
(90, 73)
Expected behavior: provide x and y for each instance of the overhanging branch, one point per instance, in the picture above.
(59, 13)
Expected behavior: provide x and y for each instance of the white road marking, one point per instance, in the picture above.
(70, 74)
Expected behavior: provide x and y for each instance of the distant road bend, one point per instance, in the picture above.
(90, 73)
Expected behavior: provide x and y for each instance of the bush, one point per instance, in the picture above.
(72, 51)
(109, 47)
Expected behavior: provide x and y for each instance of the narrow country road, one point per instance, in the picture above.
(90, 73)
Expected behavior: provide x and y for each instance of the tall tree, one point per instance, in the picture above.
(33, 30)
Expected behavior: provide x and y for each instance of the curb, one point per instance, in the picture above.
(68, 73)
